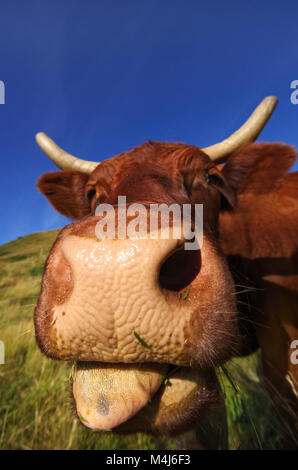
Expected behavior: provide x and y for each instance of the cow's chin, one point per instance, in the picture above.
(159, 399)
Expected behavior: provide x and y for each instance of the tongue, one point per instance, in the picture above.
(107, 396)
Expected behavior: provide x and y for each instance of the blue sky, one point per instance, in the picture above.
(100, 77)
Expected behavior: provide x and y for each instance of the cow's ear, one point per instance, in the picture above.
(258, 168)
(65, 190)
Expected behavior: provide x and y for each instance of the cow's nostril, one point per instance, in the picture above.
(180, 269)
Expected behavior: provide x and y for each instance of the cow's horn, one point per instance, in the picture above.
(62, 159)
(247, 133)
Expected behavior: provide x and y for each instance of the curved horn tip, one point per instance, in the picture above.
(63, 159)
(248, 132)
(273, 100)
(39, 136)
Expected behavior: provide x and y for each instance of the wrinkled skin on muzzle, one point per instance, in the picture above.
(128, 311)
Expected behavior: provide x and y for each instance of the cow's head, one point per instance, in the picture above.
(146, 321)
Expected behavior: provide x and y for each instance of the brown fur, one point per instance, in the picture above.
(260, 240)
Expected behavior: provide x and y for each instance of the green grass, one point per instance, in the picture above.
(35, 405)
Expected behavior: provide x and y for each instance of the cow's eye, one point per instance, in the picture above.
(91, 194)
(213, 179)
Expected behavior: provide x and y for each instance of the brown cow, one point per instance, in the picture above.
(129, 310)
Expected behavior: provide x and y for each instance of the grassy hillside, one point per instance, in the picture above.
(35, 408)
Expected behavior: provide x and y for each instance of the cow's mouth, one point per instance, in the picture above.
(162, 398)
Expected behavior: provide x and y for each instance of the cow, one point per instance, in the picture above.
(148, 322)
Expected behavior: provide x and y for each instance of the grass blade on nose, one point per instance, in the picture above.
(143, 343)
